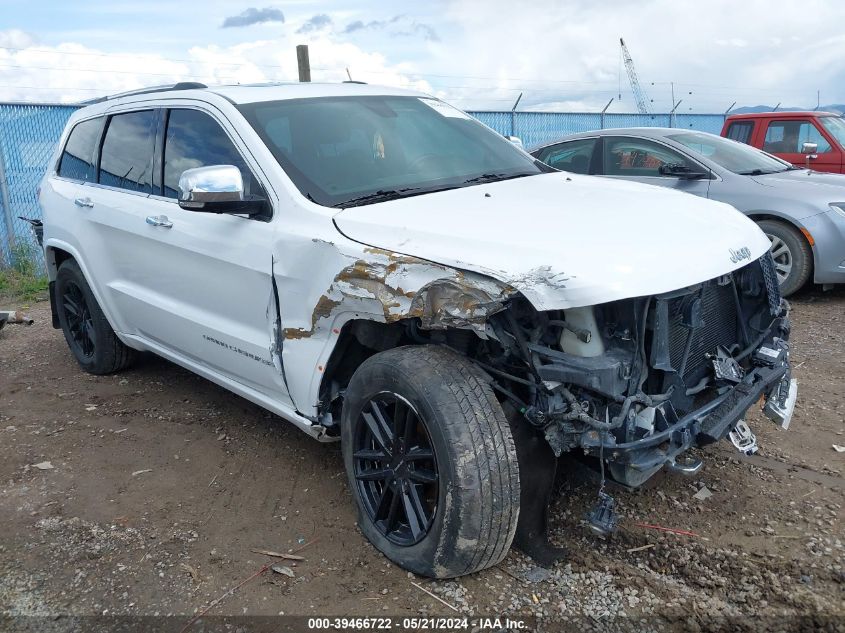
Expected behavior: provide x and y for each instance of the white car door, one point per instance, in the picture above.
(204, 283)
(197, 285)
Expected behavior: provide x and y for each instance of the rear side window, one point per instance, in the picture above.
(194, 139)
(741, 131)
(77, 160)
(574, 156)
(127, 155)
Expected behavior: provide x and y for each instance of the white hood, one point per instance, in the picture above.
(565, 240)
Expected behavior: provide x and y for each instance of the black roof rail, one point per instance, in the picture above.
(182, 85)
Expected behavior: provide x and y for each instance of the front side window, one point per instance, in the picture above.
(195, 139)
(77, 160)
(639, 157)
(788, 137)
(741, 131)
(126, 160)
(573, 156)
(345, 151)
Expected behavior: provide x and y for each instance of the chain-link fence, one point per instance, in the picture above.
(536, 128)
(29, 133)
(28, 136)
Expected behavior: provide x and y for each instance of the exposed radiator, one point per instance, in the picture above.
(720, 327)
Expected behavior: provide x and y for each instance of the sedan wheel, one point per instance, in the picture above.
(792, 255)
(782, 256)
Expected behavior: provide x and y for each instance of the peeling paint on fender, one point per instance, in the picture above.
(401, 287)
(324, 284)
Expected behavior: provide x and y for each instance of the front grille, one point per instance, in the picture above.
(719, 327)
(771, 280)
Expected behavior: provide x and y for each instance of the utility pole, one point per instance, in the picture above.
(303, 62)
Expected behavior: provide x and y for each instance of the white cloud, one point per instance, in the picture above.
(15, 38)
(72, 72)
(559, 53)
(568, 52)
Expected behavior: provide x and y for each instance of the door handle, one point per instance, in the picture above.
(159, 220)
(83, 202)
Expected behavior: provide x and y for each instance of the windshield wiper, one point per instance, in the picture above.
(382, 195)
(755, 172)
(494, 178)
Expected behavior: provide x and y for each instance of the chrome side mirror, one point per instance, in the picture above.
(212, 186)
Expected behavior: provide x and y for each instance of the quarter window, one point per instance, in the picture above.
(127, 156)
(193, 140)
(741, 131)
(788, 137)
(639, 157)
(77, 160)
(573, 156)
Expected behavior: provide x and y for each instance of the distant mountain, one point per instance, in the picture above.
(833, 107)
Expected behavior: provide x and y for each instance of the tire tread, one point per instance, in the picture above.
(481, 424)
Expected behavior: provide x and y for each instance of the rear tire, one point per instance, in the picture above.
(91, 339)
(791, 253)
(446, 502)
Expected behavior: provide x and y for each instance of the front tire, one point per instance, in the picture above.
(791, 253)
(431, 461)
(91, 339)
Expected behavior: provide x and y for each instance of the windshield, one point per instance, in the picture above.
(346, 151)
(836, 127)
(732, 155)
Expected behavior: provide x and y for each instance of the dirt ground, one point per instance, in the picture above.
(162, 484)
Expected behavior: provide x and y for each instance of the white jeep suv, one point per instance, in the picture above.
(375, 266)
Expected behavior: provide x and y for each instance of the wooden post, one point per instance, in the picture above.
(303, 62)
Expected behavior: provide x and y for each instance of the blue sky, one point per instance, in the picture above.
(563, 55)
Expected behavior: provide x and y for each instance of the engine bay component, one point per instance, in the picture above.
(603, 519)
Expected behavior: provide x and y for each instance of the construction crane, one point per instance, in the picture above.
(639, 94)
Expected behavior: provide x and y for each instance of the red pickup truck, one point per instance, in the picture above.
(784, 134)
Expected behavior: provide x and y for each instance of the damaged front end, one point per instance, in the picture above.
(637, 382)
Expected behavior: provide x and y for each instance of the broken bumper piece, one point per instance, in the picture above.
(781, 403)
(710, 423)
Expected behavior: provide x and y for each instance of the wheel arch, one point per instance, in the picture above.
(360, 338)
(792, 223)
(56, 253)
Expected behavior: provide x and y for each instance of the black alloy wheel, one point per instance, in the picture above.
(89, 335)
(80, 324)
(395, 469)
